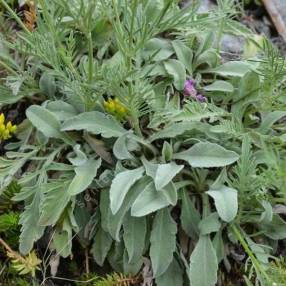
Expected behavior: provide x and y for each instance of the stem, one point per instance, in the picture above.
(14, 15)
(249, 252)
(87, 261)
(90, 57)
(5, 66)
(205, 199)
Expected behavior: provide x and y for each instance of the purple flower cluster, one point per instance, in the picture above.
(190, 90)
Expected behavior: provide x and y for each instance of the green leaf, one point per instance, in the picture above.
(47, 84)
(203, 263)
(165, 174)
(276, 229)
(190, 217)
(176, 129)
(55, 200)
(173, 276)
(101, 246)
(121, 185)
(270, 119)
(233, 68)
(62, 239)
(151, 200)
(131, 267)
(84, 176)
(31, 231)
(177, 70)
(207, 155)
(209, 224)
(120, 148)
(218, 245)
(61, 109)
(112, 223)
(226, 203)
(184, 54)
(7, 97)
(134, 237)
(45, 121)
(163, 242)
(220, 85)
(157, 49)
(95, 122)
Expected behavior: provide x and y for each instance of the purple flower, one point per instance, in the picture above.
(189, 89)
(201, 98)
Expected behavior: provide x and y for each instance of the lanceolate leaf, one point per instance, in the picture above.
(121, 185)
(177, 70)
(163, 242)
(30, 230)
(96, 123)
(220, 85)
(101, 245)
(113, 223)
(190, 217)
(84, 176)
(207, 155)
(172, 277)
(151, 200)
(45, 121)
(62, 239)
(120, 149)
(134, 236)
(165, 173)
(54, 202)
(203, 263)
(225, 199)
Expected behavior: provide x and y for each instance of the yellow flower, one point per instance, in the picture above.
(7, 130)
(116, 108)
(2, 118)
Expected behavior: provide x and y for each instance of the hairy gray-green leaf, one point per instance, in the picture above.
(163, 242)
(226, 203)
(203, 263)
(84, 176)
(233, 68)
(131, 267)
(157, 49)
(177, 70)
(270, 119)
(121, 185)
(134, 236)
(151, 200)
(101, 245)
(55, 200)
(112, 223)
(61, 109)
(95, 122)
(165, 173)
(209, 224)
(45, 121)
(218, 245)
(220, 85)
(62, 239)
(120, 149)
(190, 217)
(47, 84)
(207, 155)
(184, 54)
(173, 276)
(31, 231)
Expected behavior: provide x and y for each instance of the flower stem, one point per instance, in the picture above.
(249, 252)
(14, 15)
(90, 57)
